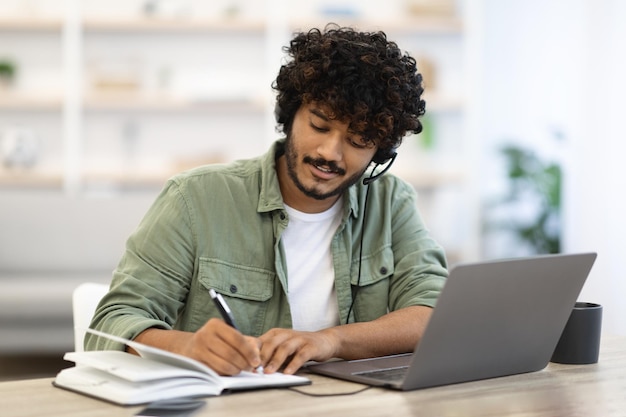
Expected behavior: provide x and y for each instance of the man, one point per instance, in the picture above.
(316, 256)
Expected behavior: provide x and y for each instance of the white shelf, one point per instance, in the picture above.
(139, 101)
(421, 178)
(30, 178)
(12, 101)
(139, 25)
(169, 103)
(26, 24)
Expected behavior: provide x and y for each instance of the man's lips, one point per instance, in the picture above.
(322, 169)
(323, 172)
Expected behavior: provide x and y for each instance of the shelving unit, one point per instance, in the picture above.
(136, 101)
(134, 106)
(26, 104)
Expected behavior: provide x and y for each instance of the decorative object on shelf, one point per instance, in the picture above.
(19, 147)
(167, 9)
(7, 73)
(426, 67)
(232, 9)
(115, 77)
(431, 7)
(532, 206)
(343, 9)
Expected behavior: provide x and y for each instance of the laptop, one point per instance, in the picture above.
(492, 319)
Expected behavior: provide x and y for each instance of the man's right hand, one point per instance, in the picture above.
(216, 344)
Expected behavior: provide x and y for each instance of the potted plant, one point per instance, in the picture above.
(531, 207)
(7, 73)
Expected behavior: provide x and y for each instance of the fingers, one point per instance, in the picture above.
(225, 349)
(281, 350)
(299, 358)
(291, 349)
(228, 352)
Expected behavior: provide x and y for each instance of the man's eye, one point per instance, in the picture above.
(359, 142)
(318, 128)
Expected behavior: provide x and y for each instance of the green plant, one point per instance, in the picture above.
(7, 69)
(536, 183)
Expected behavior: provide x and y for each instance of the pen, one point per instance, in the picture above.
(227, 315)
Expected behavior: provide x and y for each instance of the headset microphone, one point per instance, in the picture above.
(372, 178)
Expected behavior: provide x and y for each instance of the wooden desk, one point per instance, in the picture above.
(558, 390)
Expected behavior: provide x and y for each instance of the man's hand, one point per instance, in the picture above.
(223, 348)
(216, 344)
(395, 332)
(292, 349)
(228, 352)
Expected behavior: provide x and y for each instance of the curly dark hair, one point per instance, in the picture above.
(362, 77)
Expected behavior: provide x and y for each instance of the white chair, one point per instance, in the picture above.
(85, 299)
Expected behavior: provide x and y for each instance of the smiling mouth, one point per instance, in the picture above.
(325, 172)
(327, 169)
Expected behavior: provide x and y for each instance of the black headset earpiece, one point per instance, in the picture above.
(381, 158)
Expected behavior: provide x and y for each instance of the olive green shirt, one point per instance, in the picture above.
(220, 227)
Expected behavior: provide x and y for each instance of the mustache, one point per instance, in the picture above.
(320, 162)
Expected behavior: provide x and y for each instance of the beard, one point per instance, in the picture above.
(292, 158)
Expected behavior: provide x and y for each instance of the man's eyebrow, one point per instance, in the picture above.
(320, 114)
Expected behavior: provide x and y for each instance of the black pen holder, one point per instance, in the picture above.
(580, 340)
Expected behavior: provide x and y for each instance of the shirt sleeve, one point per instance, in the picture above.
(420, 268)
(150, 283)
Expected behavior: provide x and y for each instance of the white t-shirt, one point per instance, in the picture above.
(310, 271)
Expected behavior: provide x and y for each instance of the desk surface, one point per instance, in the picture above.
(557, 390)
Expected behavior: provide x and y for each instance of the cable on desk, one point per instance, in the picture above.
(337, 394)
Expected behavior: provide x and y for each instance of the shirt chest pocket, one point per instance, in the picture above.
(374, 267)
(247, 291)
(372, 289)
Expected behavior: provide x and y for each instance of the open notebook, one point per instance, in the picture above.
(127, 379)
(492, 319)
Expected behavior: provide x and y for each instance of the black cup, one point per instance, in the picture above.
(580, 340)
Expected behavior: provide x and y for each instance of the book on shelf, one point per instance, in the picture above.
(127, 379)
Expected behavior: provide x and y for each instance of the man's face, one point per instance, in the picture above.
(324, 157)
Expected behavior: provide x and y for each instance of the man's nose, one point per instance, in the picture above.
(331, 148)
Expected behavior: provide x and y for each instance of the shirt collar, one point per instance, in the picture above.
(269, 196)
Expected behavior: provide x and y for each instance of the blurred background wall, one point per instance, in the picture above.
(553, 82)
(100, 102)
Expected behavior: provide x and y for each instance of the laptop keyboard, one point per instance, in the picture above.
(388, 374)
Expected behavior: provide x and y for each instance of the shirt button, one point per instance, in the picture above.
(282, 216)
(383, 270)
(233, 289)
